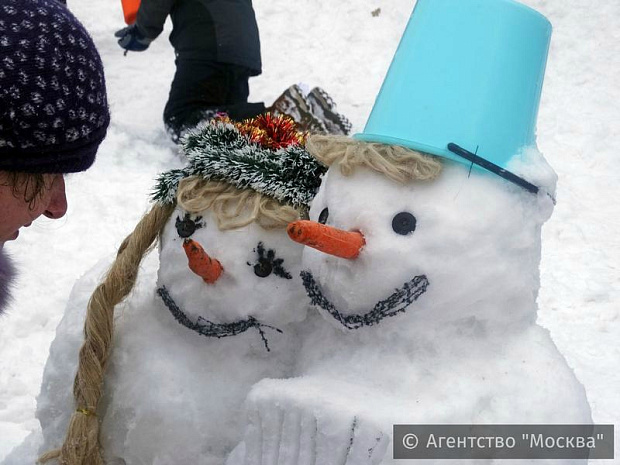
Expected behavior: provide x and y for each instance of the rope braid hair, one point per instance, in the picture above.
(81, 446)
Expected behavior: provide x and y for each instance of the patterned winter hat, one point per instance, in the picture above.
(53, 106)
(265, 154)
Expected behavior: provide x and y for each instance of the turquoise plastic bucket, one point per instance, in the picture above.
(468, 72)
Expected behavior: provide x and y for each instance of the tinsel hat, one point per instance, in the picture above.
(265, 153)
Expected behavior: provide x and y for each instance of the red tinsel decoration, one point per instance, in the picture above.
(267, 130)
(272, 132)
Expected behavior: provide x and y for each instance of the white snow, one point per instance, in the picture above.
(342, 47)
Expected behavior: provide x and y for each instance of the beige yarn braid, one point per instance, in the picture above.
(81, 446)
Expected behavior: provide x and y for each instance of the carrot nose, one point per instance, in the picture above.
(333, 241)
(209, 269)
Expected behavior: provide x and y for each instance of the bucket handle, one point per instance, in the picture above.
(492, 167)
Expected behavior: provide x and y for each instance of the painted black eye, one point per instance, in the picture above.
(403, 223)
(186, 226)
(324, 215)
(263, 268)
(267, 263)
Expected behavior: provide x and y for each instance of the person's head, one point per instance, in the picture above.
(25, 196)
(53, 109)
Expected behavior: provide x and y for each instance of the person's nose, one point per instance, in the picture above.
(58, 200)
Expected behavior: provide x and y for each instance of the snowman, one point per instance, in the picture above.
(422, 254)
(216, 317)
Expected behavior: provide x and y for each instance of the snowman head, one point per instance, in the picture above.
(464, 85)
(226, 264)
(462, 243)
(397, 233)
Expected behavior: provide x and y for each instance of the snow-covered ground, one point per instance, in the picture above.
(344, 48)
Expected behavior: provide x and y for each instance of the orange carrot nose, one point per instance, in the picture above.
(209, 269)
(344, 244)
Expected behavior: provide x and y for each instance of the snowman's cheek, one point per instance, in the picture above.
(328, 271)
(318, 205)
(315, 261)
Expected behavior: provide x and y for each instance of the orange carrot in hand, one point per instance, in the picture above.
(333, 241)
(209, 269)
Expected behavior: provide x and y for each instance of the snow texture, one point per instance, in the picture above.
(344, 48)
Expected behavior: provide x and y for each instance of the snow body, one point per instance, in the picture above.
(173, 395)
(468, 350)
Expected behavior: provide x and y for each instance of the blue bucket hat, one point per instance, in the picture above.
(465, 82)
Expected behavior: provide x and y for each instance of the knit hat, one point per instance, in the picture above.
(265, 154)
(53, 105)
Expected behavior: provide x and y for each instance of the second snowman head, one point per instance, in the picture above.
(398, 233)
(226, 264)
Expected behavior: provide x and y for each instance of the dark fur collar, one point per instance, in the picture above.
(7, 272)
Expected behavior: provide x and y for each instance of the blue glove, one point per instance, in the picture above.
(130, 38)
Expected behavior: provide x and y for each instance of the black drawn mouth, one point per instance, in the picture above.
(208, 328)
(396, 303)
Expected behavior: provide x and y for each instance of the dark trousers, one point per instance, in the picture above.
(200, 89)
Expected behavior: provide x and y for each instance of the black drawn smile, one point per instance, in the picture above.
(208, 328)
(396, 303)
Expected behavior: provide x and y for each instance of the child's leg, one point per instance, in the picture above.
(201, 89)
(237, 105)
(197, 85)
